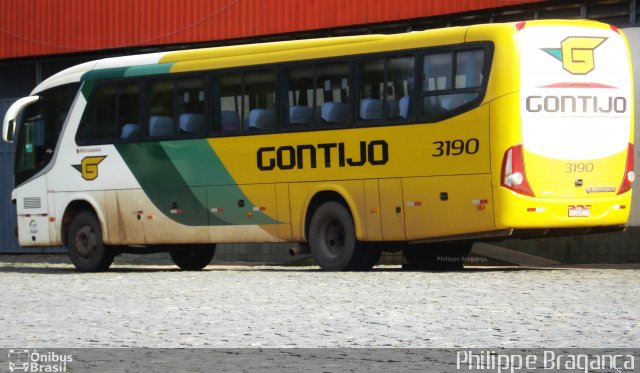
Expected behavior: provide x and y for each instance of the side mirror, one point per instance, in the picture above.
(9, 122)
(11, 130)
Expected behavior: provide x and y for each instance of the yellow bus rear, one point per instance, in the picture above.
(562, 145)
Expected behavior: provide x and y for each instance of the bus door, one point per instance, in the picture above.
(36, 141)
(40, 120)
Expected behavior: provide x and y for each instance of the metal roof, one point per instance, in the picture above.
(44, 27)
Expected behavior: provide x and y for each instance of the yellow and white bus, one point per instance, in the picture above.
(424, 141)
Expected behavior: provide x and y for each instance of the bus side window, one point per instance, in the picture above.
(385, 89)
(372, 89)
(332, 95)
(469, 72)
(99, 121)
(438, 77)
(400, 87)
(191, 107)
(228, 101)
(442, 92)
(298, 96)
(112, 113)
(260, 88)
(129, 111)
(161, 108)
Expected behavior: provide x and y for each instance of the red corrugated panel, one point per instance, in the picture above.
(37, 27)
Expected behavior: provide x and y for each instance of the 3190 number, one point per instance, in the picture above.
(455, 147)
(578, 167)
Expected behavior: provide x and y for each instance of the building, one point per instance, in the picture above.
(41, 37)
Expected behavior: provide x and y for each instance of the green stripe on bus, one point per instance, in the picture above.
(91, 77)
(154, 69)
(87, 88)
(164, 186)
(112, 73)
(199, 165)
(197, 162)
(184, 179)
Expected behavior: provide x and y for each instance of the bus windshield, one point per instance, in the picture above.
(39, 127)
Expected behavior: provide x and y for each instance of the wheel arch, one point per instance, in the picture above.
(73, 208)
(335, 194)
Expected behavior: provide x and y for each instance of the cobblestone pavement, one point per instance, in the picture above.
(45, 303)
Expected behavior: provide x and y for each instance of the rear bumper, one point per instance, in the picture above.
(524, 234)
(523, 213)
(559, 232)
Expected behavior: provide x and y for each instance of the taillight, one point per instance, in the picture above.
(513, 175)
(629, 174)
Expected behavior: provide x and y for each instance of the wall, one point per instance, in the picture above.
(7, 212)
(40, 27)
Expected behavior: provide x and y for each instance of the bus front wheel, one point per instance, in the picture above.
(192, 257)
(86, 248)
(333, 242)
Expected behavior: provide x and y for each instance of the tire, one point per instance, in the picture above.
(192, 257)
(86, 248)
(437, 257)
(333, 242)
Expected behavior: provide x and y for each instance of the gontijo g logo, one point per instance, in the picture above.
(89, 167)
(577, 53)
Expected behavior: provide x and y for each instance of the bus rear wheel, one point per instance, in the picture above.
(192, 257)
(333, 242)
(86, 248)
(437, 256)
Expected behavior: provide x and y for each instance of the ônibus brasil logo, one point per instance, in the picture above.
(32, 361)
(577, 53)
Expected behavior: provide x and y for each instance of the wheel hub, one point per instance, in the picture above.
(335, 237)
(86, 242)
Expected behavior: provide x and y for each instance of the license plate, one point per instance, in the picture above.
(579, 211)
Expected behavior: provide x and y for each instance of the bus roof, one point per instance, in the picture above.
(276, 52)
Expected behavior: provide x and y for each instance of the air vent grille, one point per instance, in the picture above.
(32, 203)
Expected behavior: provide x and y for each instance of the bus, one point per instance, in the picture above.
(349, 146)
